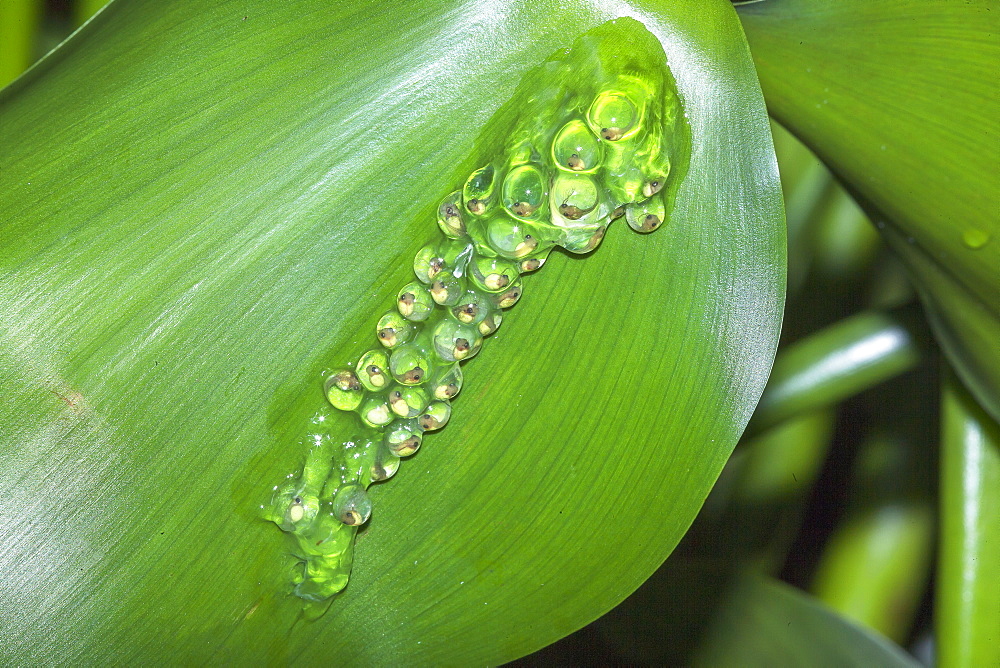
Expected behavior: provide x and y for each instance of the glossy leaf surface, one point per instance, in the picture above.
(204, 206)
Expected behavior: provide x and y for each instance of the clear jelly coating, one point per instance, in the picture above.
(472, 308)
(404, 438)
(414, 302)
(447, 382)
(454, 341)
(447, 288)
(373, 370)
(352, 505)
(573, 197)
(645, 216)
(408, 402)
(393, 330)
(493, 274)
(384, 465)
(449, 217)
(591, 136)
(478, 191)
(410, 364)
(374, 411)
(491, 323)
(614, 115)
(512, 238)
(343, 390)
(576, 149)
(524, 191)
(436, 416)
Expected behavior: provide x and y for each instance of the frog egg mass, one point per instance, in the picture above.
(592, 134)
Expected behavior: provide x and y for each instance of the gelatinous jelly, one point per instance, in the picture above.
(593, 134)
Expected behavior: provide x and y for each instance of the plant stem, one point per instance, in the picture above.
(967, 609)
(838, 362)
(18, 27)
(875, 566)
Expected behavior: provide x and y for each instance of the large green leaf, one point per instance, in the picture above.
(205, 205)
(706, 614)
(767, 623)
(900, 98)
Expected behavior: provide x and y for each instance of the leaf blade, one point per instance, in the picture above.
(173, 306)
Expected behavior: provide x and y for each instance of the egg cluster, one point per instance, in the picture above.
(559, 181)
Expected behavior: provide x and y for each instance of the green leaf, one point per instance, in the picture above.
(900, 99)
(756, 507)
(968, 599)
(205, 206)
(763, 622)
(706, 614)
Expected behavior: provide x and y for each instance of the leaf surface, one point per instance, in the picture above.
(204, 206)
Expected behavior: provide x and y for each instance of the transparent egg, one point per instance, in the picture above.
(436, 416)
(645, 216)
(492, 274)
(343, 390)
(454, 341)
(531, 264)
(414, 302)
(301, 511)
(584, 240)
(491, 323)
(407, 402)
(447, 382)
(375, 412)
(409, 364)
(446, 288)
(385, 464)
(576, 149)
(478, 190)
(292, 506)
(524, 191)
(511, 238)
(428, 262)
(574, 196)
(393, 329)
(449, 216)
(372, 370)
(509, 297)
(403, 438)
(450, 254)
(471, 308)
(613, 115)
(653, 184)
(351, 505)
